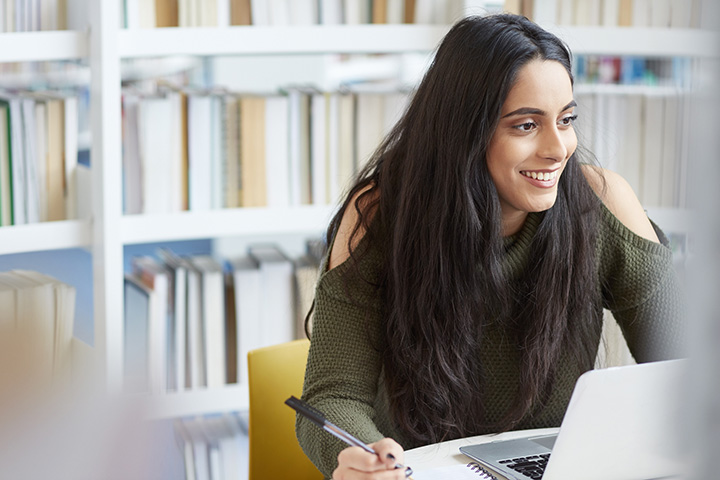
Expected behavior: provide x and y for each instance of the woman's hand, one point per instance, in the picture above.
(354, 463)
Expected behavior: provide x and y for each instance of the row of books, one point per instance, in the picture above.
(224, 13)
(37, 312)
(634, 13)
(199, 150)
(37, 15)
(190, 321)
(642, 137)
(212, 447)
(632, 70)
(38, 157)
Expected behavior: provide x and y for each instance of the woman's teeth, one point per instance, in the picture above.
(541, 175)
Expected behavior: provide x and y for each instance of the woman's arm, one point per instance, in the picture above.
(639, 282)
(344, 363)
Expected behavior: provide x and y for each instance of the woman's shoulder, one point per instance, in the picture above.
(620, 200)
(349, 232)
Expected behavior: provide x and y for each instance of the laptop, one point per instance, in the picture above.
(622, 423)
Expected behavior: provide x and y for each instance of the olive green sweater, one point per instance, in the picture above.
(344, 370)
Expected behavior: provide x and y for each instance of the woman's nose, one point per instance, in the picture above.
(552, 145)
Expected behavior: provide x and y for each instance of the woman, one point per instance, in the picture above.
(472, 258)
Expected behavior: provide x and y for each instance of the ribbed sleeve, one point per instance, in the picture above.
(343, 363)
(641, 288)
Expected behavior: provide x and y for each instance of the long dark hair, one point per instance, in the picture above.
(428, 203)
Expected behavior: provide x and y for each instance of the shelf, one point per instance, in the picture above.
(317, 39)
(230, 398)
(45, 236)
(41, 46)
(252, 40)
(224, 223)
(647, 42)
(620, 89)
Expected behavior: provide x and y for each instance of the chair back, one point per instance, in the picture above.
(274, 374)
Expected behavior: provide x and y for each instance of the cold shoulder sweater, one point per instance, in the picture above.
(344, 376)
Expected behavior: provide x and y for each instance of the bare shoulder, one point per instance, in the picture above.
(344, 239)
(619, 197)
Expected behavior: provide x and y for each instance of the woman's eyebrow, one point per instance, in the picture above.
(537, 111)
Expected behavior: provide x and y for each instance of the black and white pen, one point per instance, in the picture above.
(319, 419)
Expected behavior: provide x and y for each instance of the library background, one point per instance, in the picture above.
(168, 168)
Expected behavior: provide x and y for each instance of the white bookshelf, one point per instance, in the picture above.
(105, 45)
(198, 402)
(45, 236)
(224, 223)
(41, 46)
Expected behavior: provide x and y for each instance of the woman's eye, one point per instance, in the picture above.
(567, 121)
(526, 127)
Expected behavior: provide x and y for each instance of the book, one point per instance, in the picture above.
(633, 131)
(671, 152)
(346, 142)
(6, 208)
(166, 13)
(195, 360)
(566, 12)
(213, 318)
(32, 184)
(651, 181)
(231, 169)
(217, 150)
(318, 148)
(240, 13)
(41, 152)
(247, 288)
(660, 14)
(63, 316)
(136, 310)
(370, 111)
(155, 277)
(277, 150)
(158, 145)
(331, 12)
(177, 330)
(625, 13)
(55, 152)
(199, 144)
(641, 13)
(379, 11)
(395, 11)
(131, 166)
(276, 293)
(252, 152)
(299, 146)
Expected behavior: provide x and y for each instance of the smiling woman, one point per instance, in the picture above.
(472, 258)
(532, 142)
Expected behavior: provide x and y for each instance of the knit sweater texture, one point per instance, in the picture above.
(344, 376)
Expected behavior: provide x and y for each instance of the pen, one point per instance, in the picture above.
(319, 419)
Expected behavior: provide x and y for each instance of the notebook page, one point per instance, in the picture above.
(452, 472)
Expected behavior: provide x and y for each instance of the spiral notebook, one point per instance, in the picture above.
(471, 471)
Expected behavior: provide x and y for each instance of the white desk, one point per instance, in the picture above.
(448, 453)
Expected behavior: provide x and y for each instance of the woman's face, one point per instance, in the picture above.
(533, 141)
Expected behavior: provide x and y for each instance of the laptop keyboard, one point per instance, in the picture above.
(532, 466)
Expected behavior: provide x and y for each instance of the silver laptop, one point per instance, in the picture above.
(622, 423)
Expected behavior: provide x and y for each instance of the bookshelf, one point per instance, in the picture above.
(105, 45)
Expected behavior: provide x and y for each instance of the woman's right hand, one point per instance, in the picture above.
(354, 463)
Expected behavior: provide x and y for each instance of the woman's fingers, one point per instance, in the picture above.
(354, 463)
(389, 451)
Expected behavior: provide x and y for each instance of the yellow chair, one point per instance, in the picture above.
(275, 373)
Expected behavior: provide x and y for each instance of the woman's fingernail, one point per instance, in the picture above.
(390, 456)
